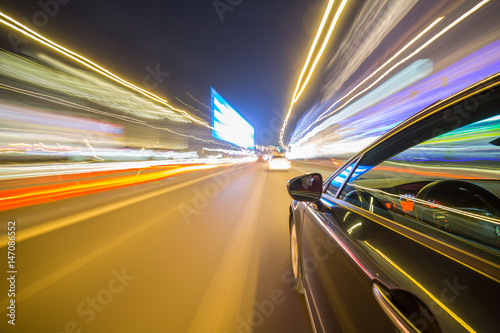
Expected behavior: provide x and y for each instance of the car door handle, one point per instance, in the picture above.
(399, 320)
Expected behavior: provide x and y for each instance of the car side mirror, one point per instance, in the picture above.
(307, 188)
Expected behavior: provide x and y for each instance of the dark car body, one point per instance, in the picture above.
(406, 234)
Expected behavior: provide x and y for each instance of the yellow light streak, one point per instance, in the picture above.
(88, 109)
(88, 63)
(322, 49)
(313, 47)
(439, 34)
(431, 40)
(427, 292)
(372, 74)
(349, 231)
(300, 88)
(94, 154)
(393, 57)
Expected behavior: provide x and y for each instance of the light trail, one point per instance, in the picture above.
(64, 102)
(191, 107)
(419, 285)
(89, 64)
(431, 40)
(300, 88)
(372, 74)
(205, 106)
(313, 47)
(322, 49)
(16, 198)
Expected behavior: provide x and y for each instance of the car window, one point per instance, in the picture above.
(450, 182)
(339, 179)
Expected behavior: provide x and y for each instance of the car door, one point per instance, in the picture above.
(411, 239)
(338, 275)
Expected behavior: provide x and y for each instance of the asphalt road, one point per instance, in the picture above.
(201, 252)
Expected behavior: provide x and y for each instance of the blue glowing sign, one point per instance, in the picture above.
(229, 125)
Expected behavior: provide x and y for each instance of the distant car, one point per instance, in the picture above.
(406, 234)
(278, 163)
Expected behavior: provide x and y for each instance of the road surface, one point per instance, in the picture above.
(205, 251)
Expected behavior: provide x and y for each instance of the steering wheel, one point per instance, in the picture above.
(450, 189)
(364, 200)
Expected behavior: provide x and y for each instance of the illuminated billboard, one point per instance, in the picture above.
(228, 125)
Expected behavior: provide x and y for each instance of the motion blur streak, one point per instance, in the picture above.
(241, 152)
(322, 49)
(458, 173)
(434, 298)
(82, 261)
(84, 61)
(461, 18)
(388, 69)
(10, 199)
(75, 170)
(322, 116)
(377, 19)
(225, 295)
(53, 75)
(188, 266)
(89, 90)
(313, 47)
(192, 107)
(69, 220)
(299, 89)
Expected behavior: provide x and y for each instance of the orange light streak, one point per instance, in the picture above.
(10, 199)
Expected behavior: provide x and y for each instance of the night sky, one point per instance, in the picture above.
(251, 52)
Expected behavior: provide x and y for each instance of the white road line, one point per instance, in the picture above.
(231, 284)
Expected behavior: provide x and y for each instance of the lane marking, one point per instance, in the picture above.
(231, 284)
